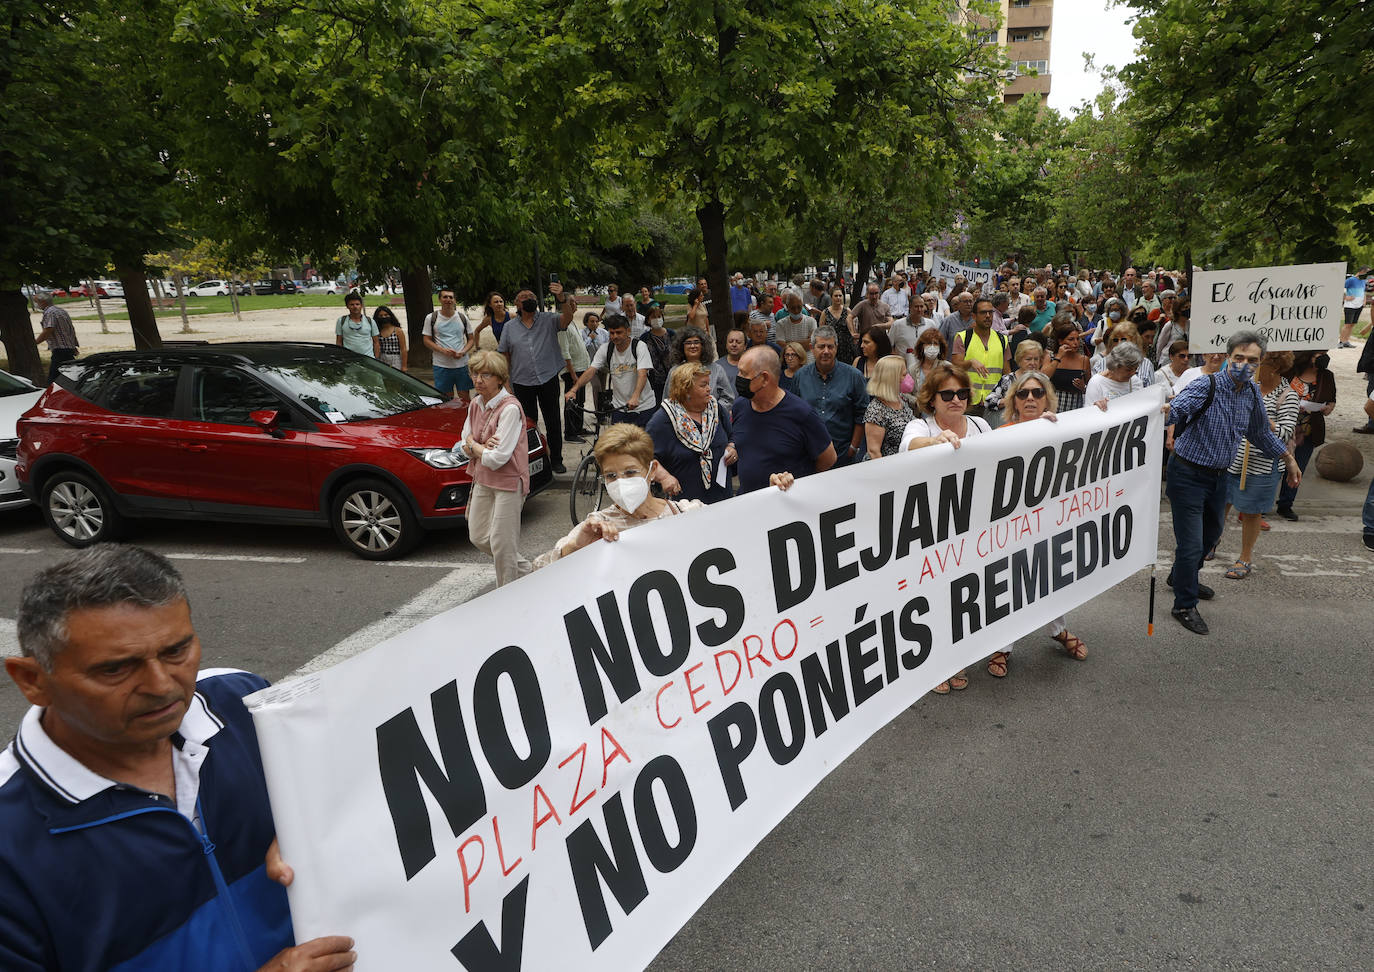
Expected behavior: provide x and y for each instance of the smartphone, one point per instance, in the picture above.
(553, 278)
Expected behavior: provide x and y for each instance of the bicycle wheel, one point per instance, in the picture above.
(587, 494)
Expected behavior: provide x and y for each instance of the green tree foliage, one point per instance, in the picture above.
(1264, 104)
(85, 180)
(731, 107)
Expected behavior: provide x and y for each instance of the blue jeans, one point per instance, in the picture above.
(1197, 499)
(633, 418)
(1287, 494)
(1368, 515)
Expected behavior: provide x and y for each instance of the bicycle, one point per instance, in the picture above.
(587, 493)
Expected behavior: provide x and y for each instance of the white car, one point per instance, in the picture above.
(209, 288)
(109, 288)
(16, 397)
(321, 287)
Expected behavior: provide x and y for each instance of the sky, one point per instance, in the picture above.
(1090, 26)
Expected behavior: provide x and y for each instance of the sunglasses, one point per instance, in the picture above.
(950, 394)
(1026, 393)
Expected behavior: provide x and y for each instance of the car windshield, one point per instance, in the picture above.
(10, 385)
(352, 389)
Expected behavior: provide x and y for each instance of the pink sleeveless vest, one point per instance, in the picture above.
(515, 474)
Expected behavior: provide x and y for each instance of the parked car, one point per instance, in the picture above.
(254, 432)
(17, 396)
(322, 287)
(274, 287)
(109, 288)
(208, 288)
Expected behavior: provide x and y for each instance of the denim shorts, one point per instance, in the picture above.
(449, 380)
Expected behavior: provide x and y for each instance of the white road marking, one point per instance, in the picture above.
(244, 558)
(18, 550)
(9, 638)
(458, 585)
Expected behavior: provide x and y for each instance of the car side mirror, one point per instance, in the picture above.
(268, 420)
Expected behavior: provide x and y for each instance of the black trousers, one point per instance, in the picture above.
(549, 398)
(572, 411)
(60, 356)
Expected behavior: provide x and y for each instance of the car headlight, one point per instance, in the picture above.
(440, 458)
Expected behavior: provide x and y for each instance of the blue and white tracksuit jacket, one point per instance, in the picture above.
(101, 876)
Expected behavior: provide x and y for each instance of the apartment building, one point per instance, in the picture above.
(1025, 38)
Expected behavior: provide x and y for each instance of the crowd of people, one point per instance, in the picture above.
(809, 381)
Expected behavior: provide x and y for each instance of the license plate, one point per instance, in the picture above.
(536, 467)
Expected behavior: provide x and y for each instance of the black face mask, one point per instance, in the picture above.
(529, 305)
(744, 387)
(1322, 361)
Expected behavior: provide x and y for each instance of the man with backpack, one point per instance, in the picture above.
(983, 353)
(448, 335)
(1210, 417)
(626, 360)
(356, 331)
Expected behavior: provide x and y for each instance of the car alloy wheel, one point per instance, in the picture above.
(374, 521)
(78, 510)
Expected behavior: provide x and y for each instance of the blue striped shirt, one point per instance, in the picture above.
(1211, 440)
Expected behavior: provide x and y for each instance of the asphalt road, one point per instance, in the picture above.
(1173, 801)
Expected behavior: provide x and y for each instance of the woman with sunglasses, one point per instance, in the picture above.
(943, 402)
(1031, 397)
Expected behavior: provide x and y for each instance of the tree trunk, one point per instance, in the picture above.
(868, 251)
(142, 319)
(839, 253)
(1188, 269)
(93, 295)
(711, 218)
(181, 302)
(16, 331)
(419, 297)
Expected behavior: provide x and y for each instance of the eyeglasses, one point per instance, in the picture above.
(610, 477)
(1026, 393)
(950, 394)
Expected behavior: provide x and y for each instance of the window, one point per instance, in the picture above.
(1026, 67)
(141, 389)
(1018, 36)
(1020, 3)
(229, 397)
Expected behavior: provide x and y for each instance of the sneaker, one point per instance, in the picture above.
(1369, 541)
(573, 437)
(559, 469)
(1287, 513)
(1345, 344)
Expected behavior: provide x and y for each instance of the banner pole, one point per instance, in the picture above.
(1150, 627)
(1245, 464)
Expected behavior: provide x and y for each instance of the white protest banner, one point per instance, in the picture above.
(558, 774)
(984, 278)
(1295, 308)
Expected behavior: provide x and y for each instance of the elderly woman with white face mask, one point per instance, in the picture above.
(625, 454)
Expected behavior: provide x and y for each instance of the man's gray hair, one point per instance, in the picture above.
(1241, 338)
(766, 358)
(104, 575)
(824, 333)
(1124, 355)
(42, 296)
(1000, 298)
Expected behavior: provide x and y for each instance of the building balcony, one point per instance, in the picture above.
(1036, 15)
(1028, 51)
(1026, 84)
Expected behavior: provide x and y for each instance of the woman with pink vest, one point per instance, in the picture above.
(499, 463)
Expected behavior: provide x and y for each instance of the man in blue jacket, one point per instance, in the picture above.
(135, 830)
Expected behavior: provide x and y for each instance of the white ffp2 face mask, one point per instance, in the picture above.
(629, 492)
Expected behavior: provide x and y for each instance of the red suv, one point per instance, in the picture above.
(267, 432)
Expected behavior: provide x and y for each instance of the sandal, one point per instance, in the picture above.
(997, 664)
(1212, 554)
(1239, 570)
(941, 689)
(1073, 645)
(959, 682)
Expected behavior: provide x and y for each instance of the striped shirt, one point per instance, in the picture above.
(1212, 439)
(1281, 406)
(62, 334)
